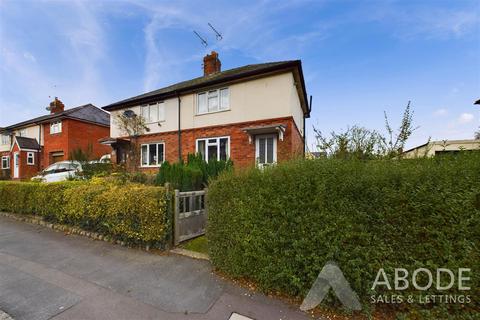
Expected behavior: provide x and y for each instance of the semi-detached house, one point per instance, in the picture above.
(29, 146)
(254, 115)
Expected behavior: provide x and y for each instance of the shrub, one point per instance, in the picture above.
(191, 176)
(133, 213)
(279, 227)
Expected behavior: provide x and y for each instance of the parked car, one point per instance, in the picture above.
(60, 171)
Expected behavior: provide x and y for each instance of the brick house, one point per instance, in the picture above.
(29, 146)
(253, 114)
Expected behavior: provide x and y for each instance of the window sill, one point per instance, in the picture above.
(55, 133)
(159, 121)
(30, 164)
(213, 112)
(153, 166)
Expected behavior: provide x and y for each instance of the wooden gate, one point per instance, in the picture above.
(190, 215)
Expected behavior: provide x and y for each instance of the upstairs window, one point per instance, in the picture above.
(153, 112)
(5, 139)
(30, 158)
(152, 154)
(214, 148)
(213, 101)
(5, 162)
(55, 127)
(22, 132)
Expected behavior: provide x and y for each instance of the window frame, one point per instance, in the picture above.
(158, 105)
(218, 146)
(218, 93)
(22, 132)
(257, 149)
(5, 139)
(7, 158)
(31, 155)
(148, 155)
(56, 124)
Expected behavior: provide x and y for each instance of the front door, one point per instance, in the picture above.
(266, 150)
(16, 165)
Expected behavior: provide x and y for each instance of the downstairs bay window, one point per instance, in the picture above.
(214, 148)
(152, 154)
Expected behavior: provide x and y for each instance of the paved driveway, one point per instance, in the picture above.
(45, 274)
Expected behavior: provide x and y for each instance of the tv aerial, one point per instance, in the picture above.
(218, 35)
(204, 42)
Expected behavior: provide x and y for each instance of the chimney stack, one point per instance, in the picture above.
(56, 106)
(211, 64)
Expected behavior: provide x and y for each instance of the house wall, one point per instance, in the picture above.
(264, 98)
(242, 152)
(32, 131)
(452, 145)
(26, 171)
(82, 134)
(75, 134)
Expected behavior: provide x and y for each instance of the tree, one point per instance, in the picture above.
(362, 143)
(397, 140)
(133, 126)
(356, 142)
(477, 135)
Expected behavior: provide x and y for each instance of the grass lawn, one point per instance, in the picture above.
(198, 245)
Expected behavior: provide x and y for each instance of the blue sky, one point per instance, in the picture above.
(359, 57)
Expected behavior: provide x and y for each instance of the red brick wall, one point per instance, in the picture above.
(26, 171)
(75, 134)
(82, 134)
(242, 152)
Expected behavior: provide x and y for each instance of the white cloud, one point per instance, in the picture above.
(465, 118)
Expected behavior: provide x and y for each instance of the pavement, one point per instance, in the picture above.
(45, 274)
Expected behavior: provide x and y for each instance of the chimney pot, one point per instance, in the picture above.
(211, 64)
(56, 106)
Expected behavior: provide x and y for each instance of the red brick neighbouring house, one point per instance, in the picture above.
(253, 115)
(29, 146)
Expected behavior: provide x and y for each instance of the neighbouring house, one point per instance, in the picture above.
(434, 148)
(253, 114)
(29, 146)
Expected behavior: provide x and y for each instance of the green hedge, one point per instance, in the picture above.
(194, 175)
(279, 227)
(133, 213)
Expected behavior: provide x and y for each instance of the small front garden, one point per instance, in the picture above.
(280, 226)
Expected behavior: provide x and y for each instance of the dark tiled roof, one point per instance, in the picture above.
(27, 143)
(86, 112)
(216, 78)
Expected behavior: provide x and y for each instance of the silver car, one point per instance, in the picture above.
(60, 171)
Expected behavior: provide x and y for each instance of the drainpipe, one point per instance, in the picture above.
(309, 107)
(179, 130)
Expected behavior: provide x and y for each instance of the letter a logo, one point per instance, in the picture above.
(331, 277)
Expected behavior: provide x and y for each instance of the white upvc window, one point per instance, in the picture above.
(154, 112)
(22, 132)
(5, 162)
(213, 101)
(266, 150)
(217, 148)
(5, 139)
(152, 154)
(30, 158)
(55, 127)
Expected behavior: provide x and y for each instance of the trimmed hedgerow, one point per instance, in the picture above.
(279, 227)
(133, 213)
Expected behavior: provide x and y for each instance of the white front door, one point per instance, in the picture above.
(266, 150)
(16, 165)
